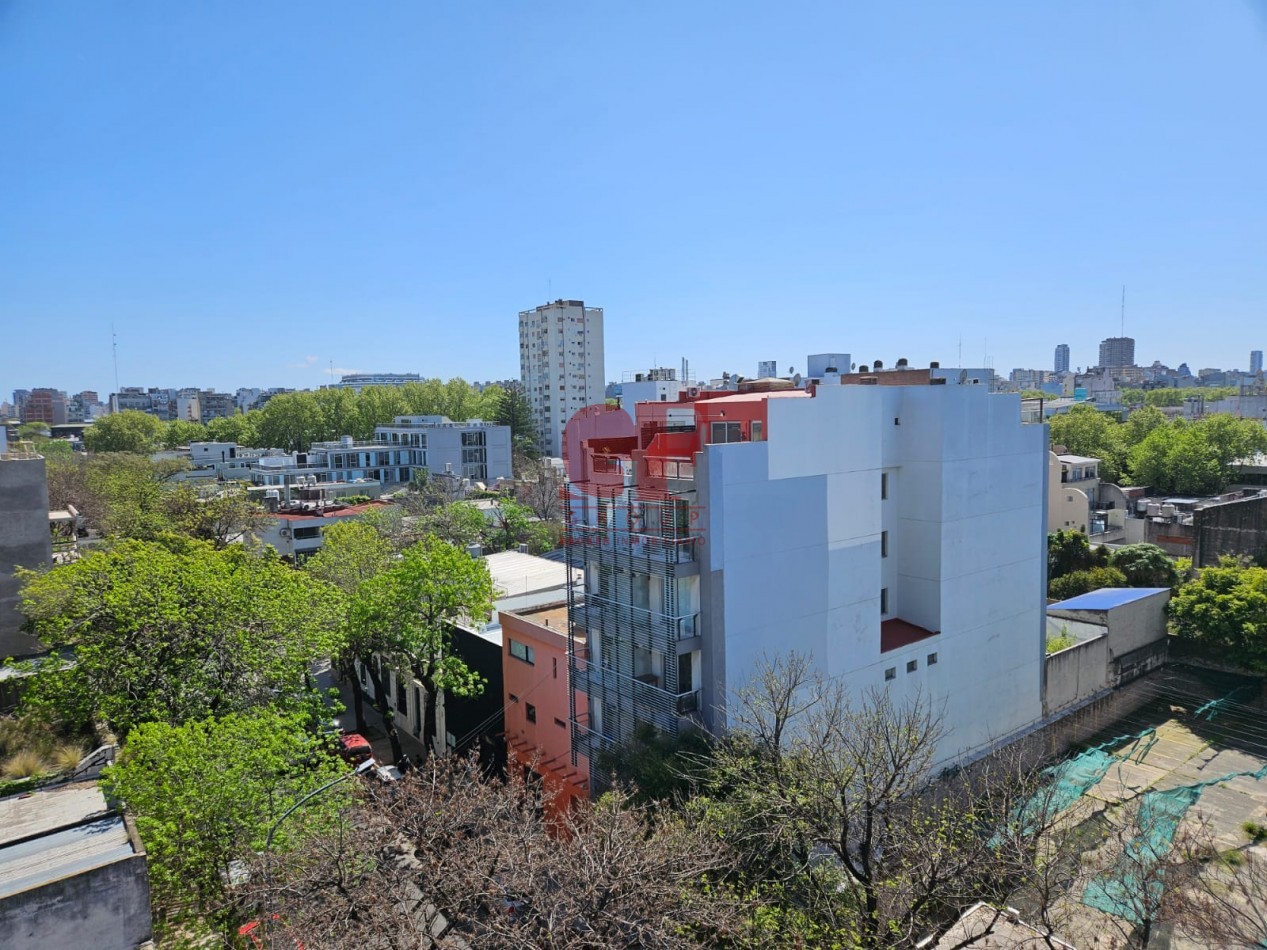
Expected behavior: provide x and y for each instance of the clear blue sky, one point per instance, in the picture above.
(250, 191)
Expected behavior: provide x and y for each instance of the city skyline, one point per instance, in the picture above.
(256, 199)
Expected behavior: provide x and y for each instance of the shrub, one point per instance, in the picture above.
(67, 756)
(1081, 582)
(24, 764)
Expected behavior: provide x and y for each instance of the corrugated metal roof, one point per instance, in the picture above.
(1106, 598)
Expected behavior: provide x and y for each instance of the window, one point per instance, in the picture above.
(554, 663)
(305, 534)
(897, 421)
(514, 698)
(725, 432)
(758, 431)
(884, 485)
(560, 723)
(521, 651)
(884, 544)
(890, 673)
(912, 666)
(530, 711)
(932, 660)
(884, 600)
(402, 699)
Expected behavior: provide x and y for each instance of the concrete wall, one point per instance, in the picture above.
(795, 562)
(1076, 674)
(1131, 626)
(1238, 527)
(106, 908)
(24, 542)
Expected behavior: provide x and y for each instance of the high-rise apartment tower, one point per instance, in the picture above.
(1062, 358)
(561, 365)
(1117, 352)
(1255, 361)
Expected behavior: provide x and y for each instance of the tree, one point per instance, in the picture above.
(458, 522)
(830, 801)
(126, 431)
(29, 431)
(405, 615)
(514, 410)
(1084, 430)
(292, 421)
(239, 427)
(449, 859)
(352, 552)
(1083, 582)
(1069, 550)
(542, 488)
(1195, 457)
(222, 516)
(1141, 422)
(204, 795)
(1225, 609)
(171, 634)
(1219, 901)
(515, 524)
(1145, 565)
(180, 432)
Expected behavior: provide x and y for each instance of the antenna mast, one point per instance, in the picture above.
(114, 349)
(1123, 310)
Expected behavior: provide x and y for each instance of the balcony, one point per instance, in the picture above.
(632, 544)
(639, 696)
(658, 630)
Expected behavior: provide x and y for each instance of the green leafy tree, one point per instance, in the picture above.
(515, 524)
(405, 615)
(352, 552)
(1069, 550)
(1145, 565)
(1132, 397)
(174, 633)
(1084, 430)
(1225, 609)
(1141, 422)
(458, 522)
(126, 431)
(1165, 397)
(292, 421)
(1195, 457)
(514, 410)
(181, 432)
(204, 795)
(224, 515)
(1085, 581)
(240, 428)
(29, 431)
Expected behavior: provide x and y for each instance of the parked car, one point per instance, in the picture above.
(355, 747)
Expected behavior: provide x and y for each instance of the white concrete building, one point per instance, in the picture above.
(561, 365)
(358, 381)
(656, 385)
(894, 529)
(1073, 492)
(475, 449)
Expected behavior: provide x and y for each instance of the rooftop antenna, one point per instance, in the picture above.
(332, 372)
(1123, 310)
(960, 349)
(114, 348)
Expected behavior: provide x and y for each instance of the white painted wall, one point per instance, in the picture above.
(793, 545)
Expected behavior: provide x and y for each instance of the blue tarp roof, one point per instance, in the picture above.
(1106, 598)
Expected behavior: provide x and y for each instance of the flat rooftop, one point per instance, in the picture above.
(1107, 598)
(58, 833)
(554, 616)
(515, 573)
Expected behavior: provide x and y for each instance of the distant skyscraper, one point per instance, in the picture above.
(1062, 358)
(561, 365)
(767, 368)
(1116, 352)
(1255, 361)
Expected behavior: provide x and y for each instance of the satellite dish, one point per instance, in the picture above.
(963, 376)
(791, 369)
(853, 366)
(796, 379)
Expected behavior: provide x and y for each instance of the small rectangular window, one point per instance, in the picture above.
(890, 673)
(758, 430)
(560, 723)
(530, 711)
(554, 661)
(884, 544)
(912, 666)
(897, 421)
(884, 600)
(521, 651)
(884, 485)
(514, 698)
(932, 659)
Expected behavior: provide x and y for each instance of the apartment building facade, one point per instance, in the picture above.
(560, 365)
(892, 526)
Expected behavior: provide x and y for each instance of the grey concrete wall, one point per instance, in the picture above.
(107, 908)
(24, 542)
(1238, 528)
(1076, 674)
(1131, 626)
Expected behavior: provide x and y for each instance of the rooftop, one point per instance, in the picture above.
(515, 573)
(554, 616)
(58, 833)
(1078, 459)
(1107, 598)
(897, 633)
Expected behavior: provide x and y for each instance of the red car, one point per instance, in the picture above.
(255, 937)
(355, 747)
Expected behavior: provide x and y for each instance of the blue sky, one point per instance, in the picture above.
(250, 192)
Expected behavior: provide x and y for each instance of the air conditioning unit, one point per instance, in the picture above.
(284, 532)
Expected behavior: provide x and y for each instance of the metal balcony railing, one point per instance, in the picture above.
(640, 697)
(621, 541)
